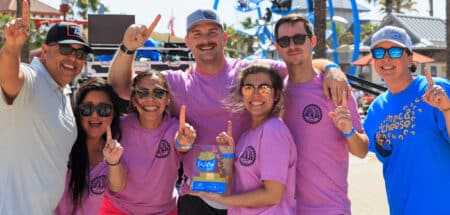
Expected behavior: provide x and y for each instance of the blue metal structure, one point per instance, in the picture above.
(263, 32)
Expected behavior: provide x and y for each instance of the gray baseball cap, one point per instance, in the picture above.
(202, 15)
(392, 34)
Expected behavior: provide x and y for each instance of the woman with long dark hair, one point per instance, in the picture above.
(96, 110)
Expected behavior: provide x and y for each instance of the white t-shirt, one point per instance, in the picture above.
(36, 135)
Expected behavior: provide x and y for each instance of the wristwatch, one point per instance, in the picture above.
(125, 50)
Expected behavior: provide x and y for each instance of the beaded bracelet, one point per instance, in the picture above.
(113, 164)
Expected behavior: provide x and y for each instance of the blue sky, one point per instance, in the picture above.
(145, 10)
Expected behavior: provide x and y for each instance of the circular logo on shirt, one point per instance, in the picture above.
(248, 157)
(312, 114)
(97, 185)
(163, 149)
(383, 145)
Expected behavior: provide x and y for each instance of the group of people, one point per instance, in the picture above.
(288, 127)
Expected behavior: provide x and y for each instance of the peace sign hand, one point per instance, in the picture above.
(17, 31)
(112, 152)
(136, 35)
(341, 116)
(225, 140)
(435, 95)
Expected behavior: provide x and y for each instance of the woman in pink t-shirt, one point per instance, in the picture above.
(96, 110)
(264, 169)
(143, 167)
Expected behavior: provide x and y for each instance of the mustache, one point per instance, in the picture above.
(206, 44)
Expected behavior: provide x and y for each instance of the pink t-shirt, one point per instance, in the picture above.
(265, 153)
(93, 200)
(203, 96)
(322, 164)
(152, 163)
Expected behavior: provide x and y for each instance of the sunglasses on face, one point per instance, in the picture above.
(102, 109)
(393, 52)
(263, 89)
(156, 93)
(67, 50)
(299, 39)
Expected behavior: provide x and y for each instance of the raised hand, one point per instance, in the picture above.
(435, 94)
(341, 116)
(186, 133)
(136, 35)
(225, 140)
(17, 31)
(112, 152)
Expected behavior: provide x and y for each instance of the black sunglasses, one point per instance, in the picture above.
(299, 39)
(393, 52)
(66, 50)
(102, 109)
(156, 92)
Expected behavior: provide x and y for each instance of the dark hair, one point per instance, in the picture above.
(138, 78)
(234, 102)
(413, 66)
(78, 157)
(292, 19)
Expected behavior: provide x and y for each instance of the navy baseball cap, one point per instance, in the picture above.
(202, 15)
(66, 33)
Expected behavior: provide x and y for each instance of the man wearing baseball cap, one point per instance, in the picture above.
(408, 128)
(37, 126)
(202, 90)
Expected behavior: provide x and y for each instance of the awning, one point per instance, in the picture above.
(367, 59)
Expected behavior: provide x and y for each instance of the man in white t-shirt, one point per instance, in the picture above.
(37, 126)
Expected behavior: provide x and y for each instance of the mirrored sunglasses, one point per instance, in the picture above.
(299, 39)
(263, 89)
(67, 50)
(393, 52)
(102, 109)
(156, 93)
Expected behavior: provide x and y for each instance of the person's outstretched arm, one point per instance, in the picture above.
(121, 71)
(16, 34)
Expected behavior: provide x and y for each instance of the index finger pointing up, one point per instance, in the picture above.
(428, 76)
(108, 134)
(229, 128)
(344, 98)
(182, 116)
(25, 12)
(153, 25)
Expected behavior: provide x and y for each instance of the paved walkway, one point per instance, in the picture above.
(366, 186)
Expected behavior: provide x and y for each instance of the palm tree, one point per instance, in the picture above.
(431, 7)
(320, 25)
(87, 6)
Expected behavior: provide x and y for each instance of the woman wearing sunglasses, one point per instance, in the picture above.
(264, 168)
(95, 112)
(408, 128)
(142, 179)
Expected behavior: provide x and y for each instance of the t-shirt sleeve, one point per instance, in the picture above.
(275, 152)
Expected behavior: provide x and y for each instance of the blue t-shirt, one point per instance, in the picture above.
(410, 138)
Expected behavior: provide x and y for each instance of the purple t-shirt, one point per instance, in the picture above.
(265, 153)
(152, 163)
(322, 164)
(93, 199)
(203, 96)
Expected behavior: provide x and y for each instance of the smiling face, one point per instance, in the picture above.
(63, 69)
(258, 96)
(150, 99)
(95, 125)
(393, 70)
(206, 40)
